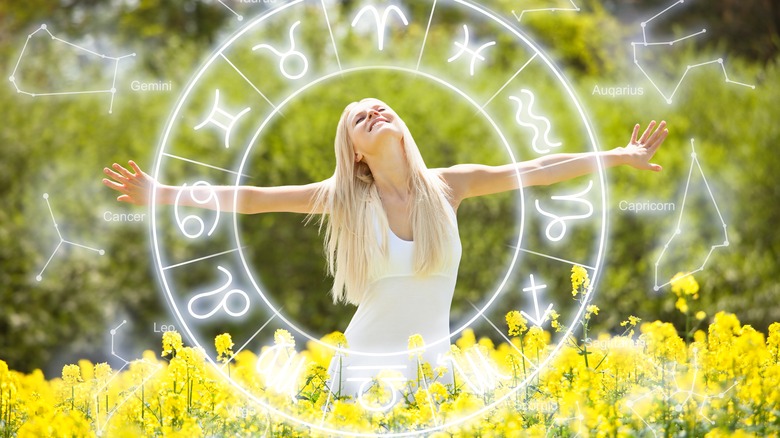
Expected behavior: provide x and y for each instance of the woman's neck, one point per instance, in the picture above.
(391, 174)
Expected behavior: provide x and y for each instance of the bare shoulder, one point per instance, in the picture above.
(458, 179)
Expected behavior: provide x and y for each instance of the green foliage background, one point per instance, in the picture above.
(59, 146)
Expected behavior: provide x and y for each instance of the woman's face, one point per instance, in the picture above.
(372, 124)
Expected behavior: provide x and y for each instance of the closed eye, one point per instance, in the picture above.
(360, 119)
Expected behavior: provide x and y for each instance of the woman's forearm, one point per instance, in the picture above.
(555, 168)
(243, 199)
(222, 198)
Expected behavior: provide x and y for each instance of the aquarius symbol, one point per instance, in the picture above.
(231, 119)
(283, 57)
(560, 221)
(534, 123)
(475, 54)
(222, 304)
(380, 23)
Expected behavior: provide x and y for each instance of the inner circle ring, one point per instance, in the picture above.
(278, 109)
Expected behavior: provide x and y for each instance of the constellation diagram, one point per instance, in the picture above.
(239, 17)
(128, 394)
(111, 90)
(679, 390)
(678, 230)
(645, 43)
(62, 241)
(464, 48)
(573, 8)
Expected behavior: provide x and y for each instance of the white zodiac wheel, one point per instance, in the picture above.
(252, 82)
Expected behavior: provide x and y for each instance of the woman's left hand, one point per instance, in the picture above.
(639, 151)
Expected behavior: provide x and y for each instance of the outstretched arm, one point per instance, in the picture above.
(136, 187)
(470, 180)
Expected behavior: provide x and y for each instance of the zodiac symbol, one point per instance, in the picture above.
(475, 54)
(232, 120)
(561, 221)
(187, 219)
(481, 376)
(223, 304)
(282, 377)
(283, 57)
(380, 23)
(540, 318)
(534, 122)
(387, 380)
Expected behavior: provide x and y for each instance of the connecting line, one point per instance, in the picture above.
(44, 28)
(101, 427)
(573, 8)
(239, 17)
(125, 363)
(560, 421)
(113, 352)
(689, 392)
(646, 43)
(509, 341)
(62, 241)
(678, 230)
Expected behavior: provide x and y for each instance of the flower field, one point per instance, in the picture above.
(723, 380)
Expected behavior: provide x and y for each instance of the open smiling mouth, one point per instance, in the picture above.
(376, 123)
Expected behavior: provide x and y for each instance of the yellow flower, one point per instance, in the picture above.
(535, 339)
(700, 315)
(224, 345)
(591, 310)
(554, 321)
(681, 305)
(102, 371)
(516, 323)
(685, 285)
(579, 278)
(773, 341)
(416, 345)
(336, 339)
(171, 342)
(631, 321)
(283, 337)
(71, 374)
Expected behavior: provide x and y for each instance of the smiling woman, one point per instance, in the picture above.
(391, 234)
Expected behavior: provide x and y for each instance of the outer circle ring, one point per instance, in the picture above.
(158, 263)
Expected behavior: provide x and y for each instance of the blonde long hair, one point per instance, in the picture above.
(351, 200)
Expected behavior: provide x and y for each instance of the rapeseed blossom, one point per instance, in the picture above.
(516, 323)
(224, 346)
(579, 280)
(724, 382)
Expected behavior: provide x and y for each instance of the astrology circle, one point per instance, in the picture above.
(250, 81)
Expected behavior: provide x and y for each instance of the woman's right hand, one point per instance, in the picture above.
(135, 188)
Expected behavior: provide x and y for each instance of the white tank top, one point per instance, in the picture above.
(397, 305)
